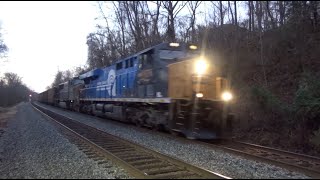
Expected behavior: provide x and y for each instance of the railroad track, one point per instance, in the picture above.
(308, 165)
(135, 159)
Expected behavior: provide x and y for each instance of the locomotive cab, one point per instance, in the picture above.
(198, 97)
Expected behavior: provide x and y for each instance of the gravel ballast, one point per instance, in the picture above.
(31, 147)
(214, 160)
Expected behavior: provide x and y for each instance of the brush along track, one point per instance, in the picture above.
(136, 160)
(308, 165)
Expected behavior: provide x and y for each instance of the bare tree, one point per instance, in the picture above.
(12, 90)
(281, 12)
(230, 10)
(315, 13)
(145, 22)
(172, 11)
(61, 77)
(273, 23)
(67, 75)
(12, 79)
(251, 15)
(235, 13)
(266, 22)
(192, 6)
(155, 18)
(259, 14)
(221, 13)
(133, 17)
(211, 17)
(111, 35)
(222, 10)
(97, 50)
(3, 47)
(58, 79)
(79, 70)
(121, 19)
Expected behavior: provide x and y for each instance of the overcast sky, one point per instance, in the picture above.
(45, 36)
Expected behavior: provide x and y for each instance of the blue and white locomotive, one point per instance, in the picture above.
(169, 86)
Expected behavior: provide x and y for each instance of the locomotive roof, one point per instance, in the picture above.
(92, 73)
(140, 52)
(97, 71)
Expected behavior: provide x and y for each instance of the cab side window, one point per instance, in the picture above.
(131, 63)
(119, 66)
(127, 63)
(146, 60)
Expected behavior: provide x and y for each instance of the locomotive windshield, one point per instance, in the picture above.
(173, 54)
(169, 55)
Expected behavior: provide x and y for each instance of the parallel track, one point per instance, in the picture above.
(308, 165)
(138, 161)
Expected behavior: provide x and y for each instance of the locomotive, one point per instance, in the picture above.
(169, 86)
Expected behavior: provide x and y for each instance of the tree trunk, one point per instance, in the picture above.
(252, 15)
(193, 9)
(281, 12)
(235, 13)
(171, 16)
(259, 14)
(229, 7)
(270, 15)
(250, 12)
(221, 13)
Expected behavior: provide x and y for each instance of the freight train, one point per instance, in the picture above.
(169, 86)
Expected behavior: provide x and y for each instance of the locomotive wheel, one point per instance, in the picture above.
(138, 124)
(175, 133)
(139, 119)
(157, 127)
(77, 108)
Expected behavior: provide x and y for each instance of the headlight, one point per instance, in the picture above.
(201, 67)
(193, 47)
(199, 95)
(226, 96)
(174, 44)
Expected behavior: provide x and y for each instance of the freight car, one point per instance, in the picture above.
(49, 96)
(43, 97)
(169, 86)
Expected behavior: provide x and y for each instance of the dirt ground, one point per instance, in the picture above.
(5, 115)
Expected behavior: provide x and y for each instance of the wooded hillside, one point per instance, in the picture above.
(270, 54)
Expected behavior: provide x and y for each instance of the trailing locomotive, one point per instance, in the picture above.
(169, 86)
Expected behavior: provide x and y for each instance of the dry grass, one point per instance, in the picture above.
(2, 109)
(5, 115)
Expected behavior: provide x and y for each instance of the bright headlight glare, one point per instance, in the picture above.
(193, 47)
(199, 95)
(174, 44)
(226, 96)
(201, 67)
